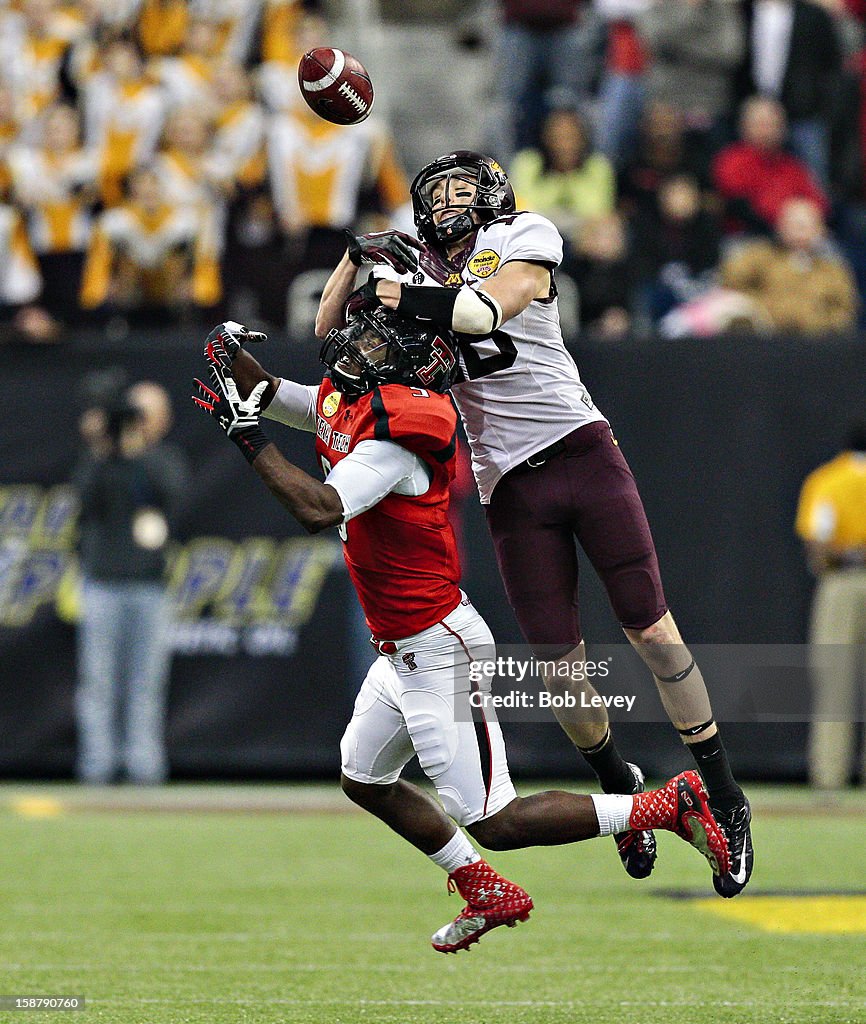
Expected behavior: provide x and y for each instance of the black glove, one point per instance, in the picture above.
(231, 338)
(392, 248)
(363, 299)
(238, 417)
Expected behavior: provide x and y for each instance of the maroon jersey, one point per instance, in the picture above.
(401, 553)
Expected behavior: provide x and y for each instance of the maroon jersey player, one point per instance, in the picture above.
(548, 468)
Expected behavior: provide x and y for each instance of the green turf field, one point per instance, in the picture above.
(275, 904)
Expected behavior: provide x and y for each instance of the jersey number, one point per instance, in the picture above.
(478, 365)
(341, 529)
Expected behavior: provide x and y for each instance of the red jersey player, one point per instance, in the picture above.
(386, 438)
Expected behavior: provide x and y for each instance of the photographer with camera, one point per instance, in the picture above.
(129, 485)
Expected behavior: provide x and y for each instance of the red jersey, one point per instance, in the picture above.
(401, 553)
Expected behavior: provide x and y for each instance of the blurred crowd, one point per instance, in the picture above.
(158, 165)
(705, 160)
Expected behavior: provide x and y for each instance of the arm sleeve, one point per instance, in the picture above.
(374, 470)
(294, 404)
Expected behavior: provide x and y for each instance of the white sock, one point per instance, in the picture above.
(456, 853)
(613, 812)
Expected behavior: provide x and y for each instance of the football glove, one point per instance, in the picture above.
(363, 299)
(231, 338)
(238, 417)
(392, 248)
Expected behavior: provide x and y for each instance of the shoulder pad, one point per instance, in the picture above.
(424, 422)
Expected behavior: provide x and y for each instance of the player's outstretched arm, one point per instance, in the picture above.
(332, 304)
(315, 505)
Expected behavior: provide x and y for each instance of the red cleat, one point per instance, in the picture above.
(491, 900)
(682, 806)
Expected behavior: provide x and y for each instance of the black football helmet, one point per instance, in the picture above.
(495, 195)
(381, 347)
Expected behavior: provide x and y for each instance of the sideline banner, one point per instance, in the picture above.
(269, 649)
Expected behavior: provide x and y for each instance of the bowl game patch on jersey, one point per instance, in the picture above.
(331, 403)
(484, 263)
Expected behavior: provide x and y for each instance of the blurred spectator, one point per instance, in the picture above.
(280, 23)
(622, 89)
(129, 486)
(319, 175)
(793, 54)
(804, 287)
(675, 247)
(664, 149)
(288, 30)
(234, 23)
(856, 82)
(695, 47)
(189, 174)
(123, 116)
(755, 176)
(161, 26)
(150, 260)
(20, 283)
(186, 77)
(831, 522)
(546, 56)
(603, 273)
(55, 182)
(10, 129)
(714, 312)
(34, 38)
(239, 127)
(564, 179)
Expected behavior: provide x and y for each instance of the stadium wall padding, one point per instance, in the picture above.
(720, 435)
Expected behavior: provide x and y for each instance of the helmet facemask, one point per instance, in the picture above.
(356, 357)
(380, 347)
(493, 196)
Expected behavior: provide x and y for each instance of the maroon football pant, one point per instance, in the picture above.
(589, 493)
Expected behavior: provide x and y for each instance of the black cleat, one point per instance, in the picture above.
(637, 850)
(736, 826)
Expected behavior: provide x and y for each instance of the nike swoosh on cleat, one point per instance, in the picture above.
(740, 876)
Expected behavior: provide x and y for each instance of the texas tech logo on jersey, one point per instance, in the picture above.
(441, 359)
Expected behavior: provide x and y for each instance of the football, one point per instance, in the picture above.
(336, 85)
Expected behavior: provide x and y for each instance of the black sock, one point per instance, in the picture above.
(613, 773)
(712, 761)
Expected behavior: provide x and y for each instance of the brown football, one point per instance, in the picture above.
(336, 85)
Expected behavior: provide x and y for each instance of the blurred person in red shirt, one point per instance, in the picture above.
(756, 176)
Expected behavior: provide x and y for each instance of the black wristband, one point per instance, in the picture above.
(251, 442)
(429, 302)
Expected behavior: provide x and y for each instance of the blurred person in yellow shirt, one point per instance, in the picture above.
(239, 125)
(189, 174)
(54, 183)
(123, 113)
(186, 76)
(34, 38)
(831, 521)
(151, 260)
